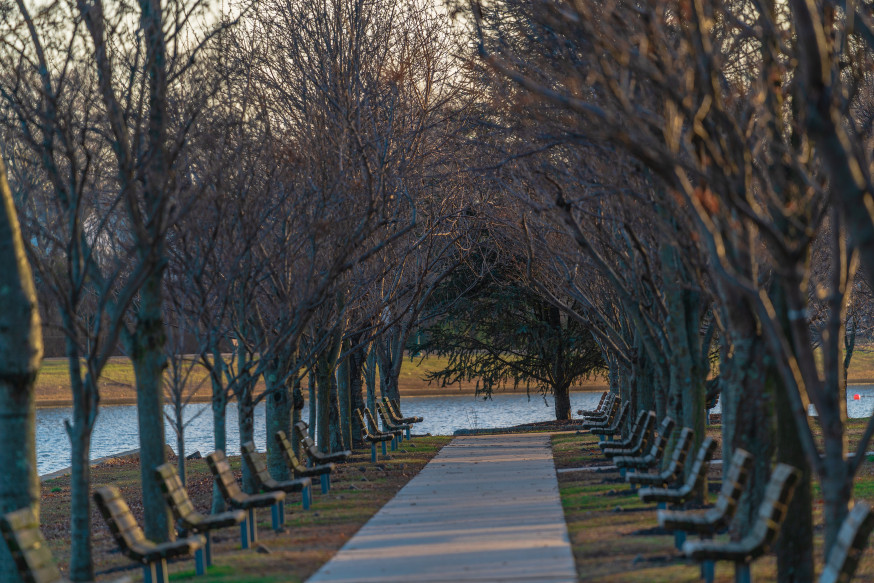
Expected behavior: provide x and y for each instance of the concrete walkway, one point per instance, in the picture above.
(484, 509)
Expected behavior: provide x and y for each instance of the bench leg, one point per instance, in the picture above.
(742, 573)
(622, 472)
(373, 452)
(400, 438)
(408, 433)
(277, 515)
(155, 572)
(244, 534)
(384, 453)
(200, 562)
(326, 483)
(208, 548)
(708, 571)
(679, 539)
(394, 444)
(662, 505)
(306, 497)
(253, 526)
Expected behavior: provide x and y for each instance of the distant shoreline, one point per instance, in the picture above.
(111, 401)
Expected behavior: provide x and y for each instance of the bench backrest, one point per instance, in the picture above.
(221, 471)
(733, 483)
(28, 547)
(637, 428)
(370, 418)
(386, 418)
(843, 560)
(772, 511)
(616, 422)
(287, 450)
(365, 430)
(393, 413)
(699, 466)
(176, 495)
(121, 522)
(661, 441)
(646, 431)
(601, 400)
(681, 452)
(255, 463)
(303, 437)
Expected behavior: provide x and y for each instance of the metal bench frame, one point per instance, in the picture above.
(236, 498)
(298, 469)
(133, 542)
(189, 518)
(373, 438)
(761, 536)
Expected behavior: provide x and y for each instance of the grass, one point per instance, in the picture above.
(614, 537)
(359, 488)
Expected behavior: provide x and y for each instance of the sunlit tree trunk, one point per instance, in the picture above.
(20, 356)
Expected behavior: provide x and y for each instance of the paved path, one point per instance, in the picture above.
(484, 509)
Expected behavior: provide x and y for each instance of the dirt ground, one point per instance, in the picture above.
(359, 489)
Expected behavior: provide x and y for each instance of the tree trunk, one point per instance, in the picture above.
(370, 381)
(80, 431)
(794, 546)
(246, 424)
(297, 404)
(219, 426)
(278, 418)
(149, 362)
(345, 400)
(311, 390)
(323, 403)
(20, 356)
(356, 366)
(562, 402)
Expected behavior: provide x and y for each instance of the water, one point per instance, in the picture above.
(116, 428)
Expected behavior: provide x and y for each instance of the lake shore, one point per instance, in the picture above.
(117, 384)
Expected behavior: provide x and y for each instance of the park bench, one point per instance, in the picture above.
(696, 476)
(189, 519)
(29, 549)
(300, 470)
(705, 523)
(610, 406)
(614, 423)
(316, 457)
(654, 456)
(843, 560)
(642, 440)
(133, 543)
(372, 438)
(596, 410)
(395, 405)
(761, 535)
(394, 412)
(387, 424)
(675, 467)
(632, 436)
(266, 482)
(375, 425)
(236, 498)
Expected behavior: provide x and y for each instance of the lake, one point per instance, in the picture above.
(116, 427)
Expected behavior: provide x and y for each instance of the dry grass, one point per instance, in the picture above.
(359, 489)
(612, 533)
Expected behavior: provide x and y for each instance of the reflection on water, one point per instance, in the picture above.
(116, 428)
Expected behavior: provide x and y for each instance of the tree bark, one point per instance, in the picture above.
(562, 402)
(219, 422)
(278, 418)
(20, 356)
(149, 362)
(345, 400)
